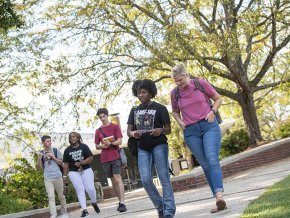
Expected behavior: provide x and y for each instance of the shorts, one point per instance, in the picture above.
(112, 168)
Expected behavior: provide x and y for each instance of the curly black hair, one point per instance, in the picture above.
(147, 84)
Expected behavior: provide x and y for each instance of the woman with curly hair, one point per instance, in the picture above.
(151, 123)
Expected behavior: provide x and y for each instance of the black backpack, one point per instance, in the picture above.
(201, 89)
(55, 154)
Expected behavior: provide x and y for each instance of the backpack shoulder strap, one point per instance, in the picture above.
(176, 92)
(197, 84)
(42, 158)
(101, 131)
(55, 151)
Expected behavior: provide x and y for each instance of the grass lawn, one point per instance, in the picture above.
(275, 202)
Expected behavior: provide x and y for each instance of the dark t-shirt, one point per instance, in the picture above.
(72, 155)
(147, 118)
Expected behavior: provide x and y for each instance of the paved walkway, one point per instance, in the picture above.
(240, 189)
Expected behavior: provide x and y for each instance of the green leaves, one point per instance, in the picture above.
(8, 16)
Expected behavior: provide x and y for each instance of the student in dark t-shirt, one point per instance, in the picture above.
(77, 158)
(152, 123)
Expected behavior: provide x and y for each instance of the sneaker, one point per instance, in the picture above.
(122, 208)
(97, 209)
(85, 213)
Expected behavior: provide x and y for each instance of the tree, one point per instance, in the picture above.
(235, 44)
(8, 16)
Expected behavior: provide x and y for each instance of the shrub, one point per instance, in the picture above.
(10, 204)
(27, 183)
(283, 130)
(234, 142)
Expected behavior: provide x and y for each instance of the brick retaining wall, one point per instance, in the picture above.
(262, 155)
(246, 160)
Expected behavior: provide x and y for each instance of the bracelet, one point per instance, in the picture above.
(64, 176)
(214, 111)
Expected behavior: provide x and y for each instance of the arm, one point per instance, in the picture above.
(53, 157)
(132, 133)
(88, 160)
(166, 130)
(65, 172)
(117, 142)
(102, 146)
(177, 117)
(217, 103)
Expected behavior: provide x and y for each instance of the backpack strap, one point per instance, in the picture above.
(200, 88)
(55, 152)
(176, 92)
(42, 158)
(104, 135)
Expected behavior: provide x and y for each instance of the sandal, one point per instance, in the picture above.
(220, 205)
(215, 210)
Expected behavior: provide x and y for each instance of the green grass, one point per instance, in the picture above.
(274, 203)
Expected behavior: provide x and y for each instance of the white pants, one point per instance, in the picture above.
(51, 186)
(84, 181)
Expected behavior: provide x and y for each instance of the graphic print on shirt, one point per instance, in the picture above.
(144, 120)
(77, 155)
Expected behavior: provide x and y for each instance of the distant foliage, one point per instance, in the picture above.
(283, 130)
(234, 142)
(26, 189)
(10, 204)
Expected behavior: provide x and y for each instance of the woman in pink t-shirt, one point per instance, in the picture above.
(202, 134)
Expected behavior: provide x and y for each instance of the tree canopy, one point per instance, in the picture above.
(242, 47)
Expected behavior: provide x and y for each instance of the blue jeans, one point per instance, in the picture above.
(204, 141)
(158, 156)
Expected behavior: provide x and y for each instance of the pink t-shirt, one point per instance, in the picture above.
(192, 103)
(111, 153)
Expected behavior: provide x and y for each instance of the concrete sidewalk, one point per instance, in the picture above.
(240, 189)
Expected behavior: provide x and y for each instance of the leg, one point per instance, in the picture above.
(58, 185)
(145, 163)
(160, 157)
(117, 178)
(193, 140)
(51, 197)
(212, 143)
(88, 181)
(76, 179)
(119, 187)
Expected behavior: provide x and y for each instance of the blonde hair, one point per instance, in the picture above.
(178, 69)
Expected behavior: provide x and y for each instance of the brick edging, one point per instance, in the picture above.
(238, 163)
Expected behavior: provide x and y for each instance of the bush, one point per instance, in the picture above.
(283, 130)
(10, 204)
(234, 142)
(27, 183)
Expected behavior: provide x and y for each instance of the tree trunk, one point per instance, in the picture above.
(246, 101)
